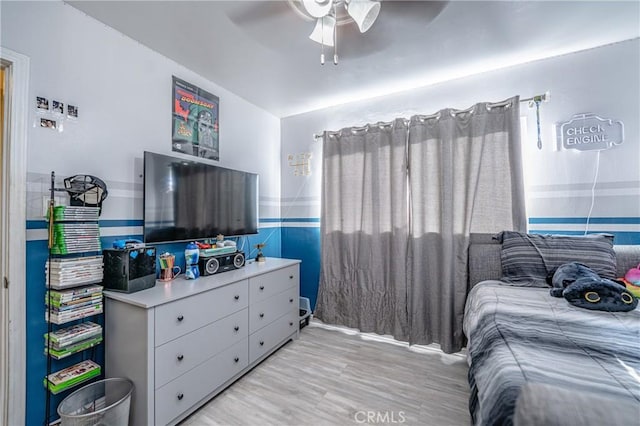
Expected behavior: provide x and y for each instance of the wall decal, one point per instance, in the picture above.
(301, 163)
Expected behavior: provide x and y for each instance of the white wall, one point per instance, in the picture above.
(603, 81)
(123, 91)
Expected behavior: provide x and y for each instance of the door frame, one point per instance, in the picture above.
(13, 386)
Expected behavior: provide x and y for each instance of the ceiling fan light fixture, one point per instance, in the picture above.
(363, 12)
(317, 8)
(323, 31)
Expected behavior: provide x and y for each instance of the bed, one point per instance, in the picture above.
(521, 338)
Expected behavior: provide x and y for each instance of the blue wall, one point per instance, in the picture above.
(36, 255)
(304, 243)
(36, 362)
(301, 241)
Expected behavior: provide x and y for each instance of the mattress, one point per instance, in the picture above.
(520, 335)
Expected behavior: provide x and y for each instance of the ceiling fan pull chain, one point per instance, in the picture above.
(322, 43)
(335, 36)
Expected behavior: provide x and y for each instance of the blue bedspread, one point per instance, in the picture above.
(522, 334)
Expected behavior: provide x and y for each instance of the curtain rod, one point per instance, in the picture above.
(532, 100)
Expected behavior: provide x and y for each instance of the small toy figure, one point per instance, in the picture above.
(260, 257)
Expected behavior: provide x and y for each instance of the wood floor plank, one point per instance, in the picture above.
(328, 377)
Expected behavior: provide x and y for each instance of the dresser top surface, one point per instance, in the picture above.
(180, 288)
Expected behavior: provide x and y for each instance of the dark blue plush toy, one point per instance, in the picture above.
(584, 288)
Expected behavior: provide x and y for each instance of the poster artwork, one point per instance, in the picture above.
(195, 121)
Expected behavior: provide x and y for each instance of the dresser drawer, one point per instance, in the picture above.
(178, 356)
(267, 338)
(266, 285)
(181, 394)
(274, 307)
(178, 318)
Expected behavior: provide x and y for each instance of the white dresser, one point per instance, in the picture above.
(183, 342)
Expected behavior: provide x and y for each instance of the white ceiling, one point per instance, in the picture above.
(260, 50)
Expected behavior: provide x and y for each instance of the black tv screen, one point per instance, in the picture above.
(188, 200)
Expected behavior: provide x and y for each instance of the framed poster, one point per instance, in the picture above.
(195, 121)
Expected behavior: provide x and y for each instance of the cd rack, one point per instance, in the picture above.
(73, 277)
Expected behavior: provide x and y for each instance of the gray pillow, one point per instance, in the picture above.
(527, 259)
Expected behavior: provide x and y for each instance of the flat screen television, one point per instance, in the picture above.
(186, 200)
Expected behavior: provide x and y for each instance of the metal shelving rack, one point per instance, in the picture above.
(89, 352)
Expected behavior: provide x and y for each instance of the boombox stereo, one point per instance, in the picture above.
(210, 265)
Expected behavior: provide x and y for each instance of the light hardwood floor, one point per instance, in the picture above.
(328, 377)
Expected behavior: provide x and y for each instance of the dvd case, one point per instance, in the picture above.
(68, 336)
(71, 376)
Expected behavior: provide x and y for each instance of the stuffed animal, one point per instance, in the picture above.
(566, 275)
(633, 276)
(632, 281)
(633, 289)
(582, 287)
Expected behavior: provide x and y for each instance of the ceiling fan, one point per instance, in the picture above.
(331, 13)
(273, 24)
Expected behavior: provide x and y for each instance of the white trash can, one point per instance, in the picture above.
(104, 403)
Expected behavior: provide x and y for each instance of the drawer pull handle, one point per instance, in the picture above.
(236, 297)
(261, 342)
(180, 318)
(290, 300)
(290, 277)
(261, 315)
(180, 357)
(236, 328)
(290, 324)
(180, 396)
(236, 359)
(261, 287)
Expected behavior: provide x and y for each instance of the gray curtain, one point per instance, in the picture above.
(364, 229)
(465, 176)
(398, 206)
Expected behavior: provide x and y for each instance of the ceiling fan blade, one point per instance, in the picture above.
(395, 17)
(400, 11)
(273, 24)
(253, 12)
